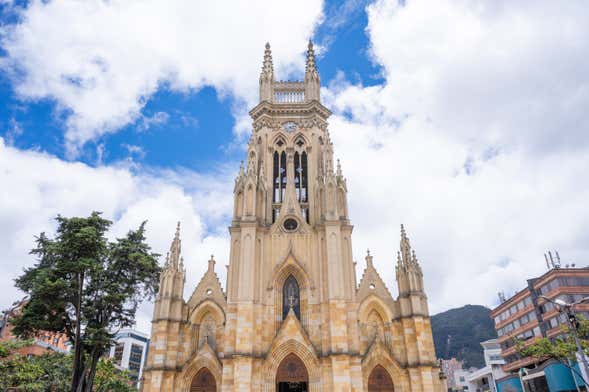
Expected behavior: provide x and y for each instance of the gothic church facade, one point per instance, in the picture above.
(293, 317)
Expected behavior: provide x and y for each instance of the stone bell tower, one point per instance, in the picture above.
(290, 219)
(293, 317)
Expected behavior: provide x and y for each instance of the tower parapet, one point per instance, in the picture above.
(289, 92)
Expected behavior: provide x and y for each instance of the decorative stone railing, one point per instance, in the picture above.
(289, 96)
(289, 92)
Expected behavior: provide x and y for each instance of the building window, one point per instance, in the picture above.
(135, 358)
(291, 297)
(118, 356)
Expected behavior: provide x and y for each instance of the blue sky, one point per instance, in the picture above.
(192, 129)
(466, 121)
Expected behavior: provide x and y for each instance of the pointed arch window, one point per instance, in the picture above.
(278, 181)
(291, 297)
(301, 174)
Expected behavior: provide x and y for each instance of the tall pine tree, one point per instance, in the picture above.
(87, 287)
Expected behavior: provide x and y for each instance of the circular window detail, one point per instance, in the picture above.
(290, 224)
(209, 292)
(372, 286)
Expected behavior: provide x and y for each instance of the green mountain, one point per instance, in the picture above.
(459, 332)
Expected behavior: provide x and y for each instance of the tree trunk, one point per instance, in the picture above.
(81, 381)
(90, 380)
(78, 359)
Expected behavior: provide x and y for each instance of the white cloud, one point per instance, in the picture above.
(159, 118)
(37, 187)
(477, 141)
(101, 61)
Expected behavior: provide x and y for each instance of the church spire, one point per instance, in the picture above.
(174, 260)
(405, 247)
(409, 274)
(312, 83)
(267, 75)
(267, 66)
(311, 66)
(171, 282)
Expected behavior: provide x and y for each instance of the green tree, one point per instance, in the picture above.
(43, 373)
(110, 379)
(86, 286)
(51, 372)
(562, 348)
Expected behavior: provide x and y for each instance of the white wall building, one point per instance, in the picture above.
(483, 380)
(130, 351)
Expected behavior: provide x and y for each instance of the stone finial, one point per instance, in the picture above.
(241, 168)
(312, 82)
(267, 65)
(310, 66)
(405, 247)
(339, 168)
(212, 263)
(368, 258)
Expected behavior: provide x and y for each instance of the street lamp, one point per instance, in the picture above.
(569, 310)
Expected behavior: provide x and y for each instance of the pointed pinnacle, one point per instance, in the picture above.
(310, 65)
(403, 234)
(212, 263)
(177, 235)
(368, 258)
(267, 66)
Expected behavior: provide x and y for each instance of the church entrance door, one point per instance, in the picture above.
(292, 375)
(204, 381)
(380, 381)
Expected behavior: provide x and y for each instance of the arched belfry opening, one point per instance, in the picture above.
(203, 381)
(292, 375)
(380, 380)
(279, 179)
(291, 297)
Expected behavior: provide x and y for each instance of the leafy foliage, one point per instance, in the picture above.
(86, 286)
(51, 372)
(459, 332)
(48, 372)
(110, 379)
(562, 348)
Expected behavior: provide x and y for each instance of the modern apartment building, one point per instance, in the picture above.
(129, 352)
(449, 367)
(484, 379)
(527, 316)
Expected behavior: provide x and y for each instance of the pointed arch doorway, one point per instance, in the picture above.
(204, 381)
(292, 375)
(380, 380)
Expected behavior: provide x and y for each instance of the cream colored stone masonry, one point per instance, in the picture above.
(291, 282)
